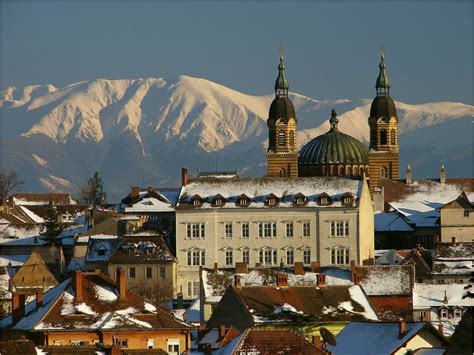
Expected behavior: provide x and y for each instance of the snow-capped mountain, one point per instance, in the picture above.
(143, 131)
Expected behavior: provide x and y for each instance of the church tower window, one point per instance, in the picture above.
(281, 138)
(393, 139)
(383, 137)
(292, 138)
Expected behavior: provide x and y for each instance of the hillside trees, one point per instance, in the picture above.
(9, 181)
(93, 191)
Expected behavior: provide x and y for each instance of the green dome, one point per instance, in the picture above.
(333, 147)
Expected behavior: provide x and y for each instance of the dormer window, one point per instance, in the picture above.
(219, 200)
(324, 199)
(300, 199)
(196, 200)
(347, 199)
(101, 251)
(272, 200)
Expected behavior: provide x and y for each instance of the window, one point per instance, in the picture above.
(193, 289)
(292, 138)
(196, 257)
(148, 272)
(466, 213)
(162, 272)
(246, 256)
(267, 230)
(289, 229)
(323, 201)
(195, 230)
(101, 250)
(229, 257)
(347, 200)
(306, 256)
(268, 257)
(306, 229)
(218, 202)
(228, 230)
(383, 136)
(339, 256)
(122, 343)
(245, 230)
(57, 343)
(173, 347)
(339, 228)
(272, 201)
(290, 257)
(281, 138)
(131, 273)
(457, 313)
(197, 202)
(150, 343)
(443, 313)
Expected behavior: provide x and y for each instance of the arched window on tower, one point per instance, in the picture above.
(383, 172)
(281, 138)
(348, 170)
(383, 137)
(393, 139)
(292, 138)
(356, 171)
(341, 170)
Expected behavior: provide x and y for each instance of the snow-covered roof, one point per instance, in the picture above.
(13, 260)
(390, 222)
(101, 248)
(385, 280)
(259, 189)
(372, 338)
(389, 257)
(31, 215)
(150, 204)
(433, 295)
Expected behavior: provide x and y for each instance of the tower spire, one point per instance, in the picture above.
(281, 83)
(382, 84)
(333, 120)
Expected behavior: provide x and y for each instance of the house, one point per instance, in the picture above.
(443, 305)
(149, 264)
(38, 199)
(92, 308)
(453, 262)
(418, 205)
(457, 219)
(271, 341)
(388, 288)
(215, 281)
(100, 249)
(388, 338)
(269, 221)
(301, 307)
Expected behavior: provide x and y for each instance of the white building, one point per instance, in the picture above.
(270, 222)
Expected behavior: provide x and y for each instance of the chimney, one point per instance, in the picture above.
(237, 280)
(18, 307)
(39, 299)
(77, 284)
(180, 302)
(121, 284)
(184, 176)
(316, 340)
(216, 267)
(241, 268)
(402, 328)
(149, 189)
(282, 280)
(135, 192)
(440, 328)
(379, 199)
(453, 241)
(221, 331)
(299, 268)
(321, 280)
(355, 278)
(442, 175)
(408, 176)
(315, 267)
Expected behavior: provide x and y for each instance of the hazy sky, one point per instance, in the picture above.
(331, 50)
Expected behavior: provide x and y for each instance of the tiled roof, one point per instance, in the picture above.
(455, 251)
(142, 249)
(15, 347)
(57, 198)
(101, 248)
(385, 280)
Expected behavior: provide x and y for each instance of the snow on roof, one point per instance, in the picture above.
(150, 204)
(13, 260)
(433, 295)
(101, 248)
(385, 280)
(389, 257)
(21, 236)
(390, 221)
(258, 189)
(456, 251)
(421, 206)
(33, 216)
(229, 348)
(372, 338)
(455, 267)
(171, 195)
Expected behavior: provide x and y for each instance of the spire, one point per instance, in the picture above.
(281, 83)
(382, 84)
(334, 120)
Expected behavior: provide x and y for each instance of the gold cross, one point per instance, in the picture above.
(381, 50)
(281, 51)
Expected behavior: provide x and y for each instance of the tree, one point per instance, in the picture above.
(52, 224)
(9, 181)
(93, 192)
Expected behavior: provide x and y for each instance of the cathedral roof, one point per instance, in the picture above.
(383, 106)
(281, 107)
(333, 147)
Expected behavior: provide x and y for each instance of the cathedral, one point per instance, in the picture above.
(334, 153)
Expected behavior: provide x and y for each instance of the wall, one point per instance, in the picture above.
(366, 224)
(423, 339)
(454, 224)
(139, 339)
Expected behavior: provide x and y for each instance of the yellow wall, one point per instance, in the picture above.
(424, 339)
(366, 224)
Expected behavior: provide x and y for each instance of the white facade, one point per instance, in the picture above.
(295, 227)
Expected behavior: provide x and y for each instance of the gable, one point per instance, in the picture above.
(34, 272)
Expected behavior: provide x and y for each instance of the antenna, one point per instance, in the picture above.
(327, 336)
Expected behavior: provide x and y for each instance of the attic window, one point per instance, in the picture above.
(101, 251)
(466, 213)
(272, 200)
(347, 200)
(243, 201)
(196, 202)
(457, 312)
(324, 199)
(300, 199)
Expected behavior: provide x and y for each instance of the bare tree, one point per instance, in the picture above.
(9, 181)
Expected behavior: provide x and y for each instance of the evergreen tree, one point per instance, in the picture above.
(93, 192)
(53, 227)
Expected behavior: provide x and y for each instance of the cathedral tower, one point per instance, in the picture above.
(282, 154)
(383, 123)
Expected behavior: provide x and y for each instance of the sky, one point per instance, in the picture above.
(331, 49)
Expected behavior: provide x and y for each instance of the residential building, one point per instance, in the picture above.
(388, 338)
(457, 219)
(100, 249)
(269, 222)
(90, 308)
